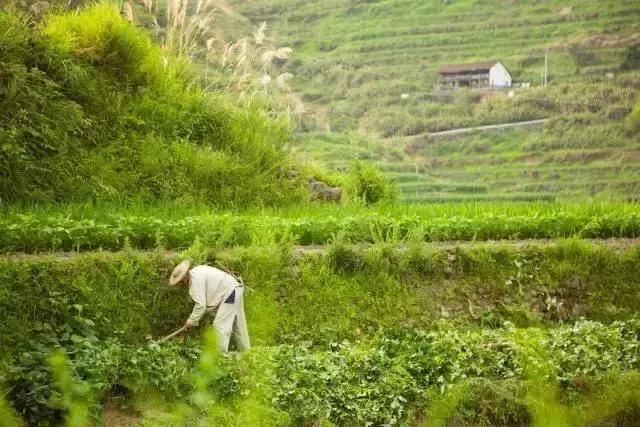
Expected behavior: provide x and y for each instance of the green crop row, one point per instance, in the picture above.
(30, 233)
(394, 379)
(382, 382)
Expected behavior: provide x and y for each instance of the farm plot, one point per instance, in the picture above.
(475, 334)
(359, 315)
(400, 377)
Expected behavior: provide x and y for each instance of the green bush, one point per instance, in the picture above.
(343, 258)
(370, 185)
(92, 368)
(480, 402)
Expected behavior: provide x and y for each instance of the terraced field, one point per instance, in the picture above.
(505, 165)
(367, 70)
(435, 314)
(356, 59)
(395, 331)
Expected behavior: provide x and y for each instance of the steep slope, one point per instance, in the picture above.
(90, 107)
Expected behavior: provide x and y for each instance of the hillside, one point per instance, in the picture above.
(367, 70)
(356, 59)
(92, 108)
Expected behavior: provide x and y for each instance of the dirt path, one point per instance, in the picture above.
(621, 244)
(618, 244)
(453, 132)
(112, 416)
(487, 127)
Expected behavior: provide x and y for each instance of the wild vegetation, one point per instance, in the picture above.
(92, 109)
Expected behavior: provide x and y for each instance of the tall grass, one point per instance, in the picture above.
(113, 118)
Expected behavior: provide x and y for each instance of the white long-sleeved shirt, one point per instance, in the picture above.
(208, 288)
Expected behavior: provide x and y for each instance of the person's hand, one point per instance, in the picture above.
(187, 327)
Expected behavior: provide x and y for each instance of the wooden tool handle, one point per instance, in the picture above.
(171, 335)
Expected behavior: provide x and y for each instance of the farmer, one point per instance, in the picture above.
(211, 288)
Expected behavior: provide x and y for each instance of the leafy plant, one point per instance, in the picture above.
(369, 185)
(57, 231)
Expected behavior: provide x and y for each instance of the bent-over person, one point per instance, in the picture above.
(211, 288)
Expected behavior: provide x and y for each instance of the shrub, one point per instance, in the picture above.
(370, 185)
(481, 402)
(344, 258)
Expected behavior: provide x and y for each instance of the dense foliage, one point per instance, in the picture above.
(396, 376)
(102, 364)
(347, 292)
(51, 230)
(370, 185)
(91, 108)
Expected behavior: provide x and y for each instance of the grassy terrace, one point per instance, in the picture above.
(356, 59)
(480, 326)
(353, 63)
(88, 227)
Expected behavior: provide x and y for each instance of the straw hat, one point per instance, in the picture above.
(179, 272)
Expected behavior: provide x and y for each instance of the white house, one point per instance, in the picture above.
(481, 75)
